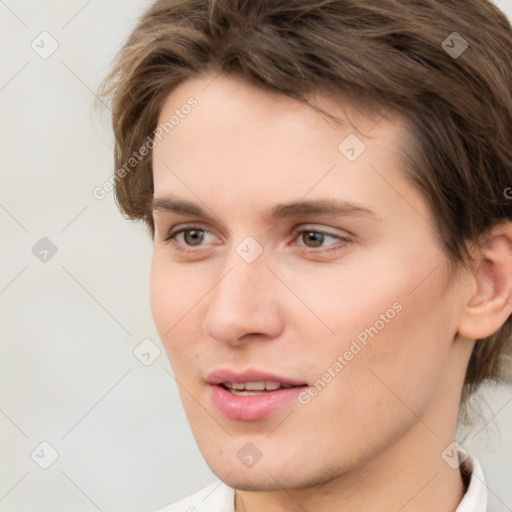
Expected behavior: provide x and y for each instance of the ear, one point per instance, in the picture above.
(490, 301)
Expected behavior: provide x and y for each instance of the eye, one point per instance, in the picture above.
(314, 239)
(191, 236)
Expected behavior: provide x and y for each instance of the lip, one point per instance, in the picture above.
(251, 407)
(225, 375)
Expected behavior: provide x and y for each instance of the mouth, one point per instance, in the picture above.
(253, 388)
(252, 395)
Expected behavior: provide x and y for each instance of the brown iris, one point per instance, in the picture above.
(313, 238)
(193, 236)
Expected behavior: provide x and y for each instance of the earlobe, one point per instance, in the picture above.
(491, 303)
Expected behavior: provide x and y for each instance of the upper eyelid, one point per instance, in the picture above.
(178, 229)
(161, 218)
(300, 228)
(325, 231)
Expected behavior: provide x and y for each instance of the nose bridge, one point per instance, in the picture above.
(243, 301)
(245, 285)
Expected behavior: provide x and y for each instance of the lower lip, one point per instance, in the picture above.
(252, 407)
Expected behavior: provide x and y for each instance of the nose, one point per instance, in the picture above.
(244, 304)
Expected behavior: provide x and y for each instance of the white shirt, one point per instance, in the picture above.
(218, 497)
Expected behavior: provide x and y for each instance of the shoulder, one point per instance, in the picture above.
(216, 497)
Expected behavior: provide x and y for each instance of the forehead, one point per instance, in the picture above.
(240, 142)
(230, 102)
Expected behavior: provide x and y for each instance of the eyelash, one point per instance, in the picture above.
(173, 233)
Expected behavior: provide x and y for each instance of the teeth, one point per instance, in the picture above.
(254, 386)
(244, 393)
(267, 385)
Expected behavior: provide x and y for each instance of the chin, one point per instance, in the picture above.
(260, 481)
(269, 475)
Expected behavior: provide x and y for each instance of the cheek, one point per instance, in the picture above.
(178, 299)
(390, 318)
(161, 301)
(398, 362)
(171, 300)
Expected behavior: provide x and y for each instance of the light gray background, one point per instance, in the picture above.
(70, 325)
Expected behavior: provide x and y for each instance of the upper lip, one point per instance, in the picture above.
(226, 375)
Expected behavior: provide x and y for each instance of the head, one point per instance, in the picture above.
(340, 172)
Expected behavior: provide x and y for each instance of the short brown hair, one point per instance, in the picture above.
(403, 55)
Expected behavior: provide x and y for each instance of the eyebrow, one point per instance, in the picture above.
(170, 203)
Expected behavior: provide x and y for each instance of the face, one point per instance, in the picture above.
(289, 256)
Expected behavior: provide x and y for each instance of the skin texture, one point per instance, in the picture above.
(372, 438)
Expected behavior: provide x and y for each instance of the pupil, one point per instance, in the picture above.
(193, 237)
(313, 239)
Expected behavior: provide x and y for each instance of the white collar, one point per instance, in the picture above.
(475, 499)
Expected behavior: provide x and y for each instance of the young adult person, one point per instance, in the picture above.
(327, 185)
